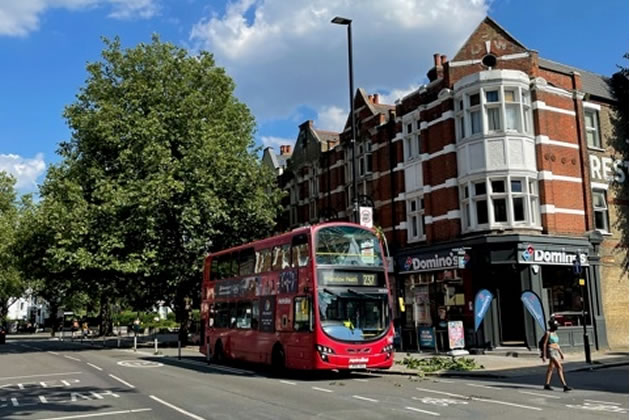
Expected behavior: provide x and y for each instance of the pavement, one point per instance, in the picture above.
(498, 366)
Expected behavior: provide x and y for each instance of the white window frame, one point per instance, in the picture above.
(528, 194)
(415, 219)
(595, 130)
(603, 210)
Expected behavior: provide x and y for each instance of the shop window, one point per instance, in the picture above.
(600, 210)
(565, 295)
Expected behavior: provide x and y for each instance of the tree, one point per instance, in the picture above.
(619, 86)
(12, 285)
(164, 159)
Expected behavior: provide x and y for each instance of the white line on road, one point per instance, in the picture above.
(603, 402)
(106, 413)
(288, 382)
(72, 358)
(528, 407)
(94, 366)
(321, 389)
(358, 397)
(360, 380)
(54, 353)
(484, 386)
(36, 376)
(446, 381)
(539, 395)
(443, 393)
(121, 381)
(422, 411)
(176, 408)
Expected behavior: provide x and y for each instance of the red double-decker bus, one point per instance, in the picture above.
(314, 298)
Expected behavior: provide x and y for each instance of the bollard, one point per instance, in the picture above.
(155, 343)
(179, 350)
(135, 343)
(208, 352)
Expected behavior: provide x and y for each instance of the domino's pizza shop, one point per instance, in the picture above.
(562, 271)
(440, 283)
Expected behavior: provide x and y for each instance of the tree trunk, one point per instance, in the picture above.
(105, 327)
(54, 308)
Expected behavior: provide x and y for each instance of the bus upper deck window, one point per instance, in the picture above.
(299, 251)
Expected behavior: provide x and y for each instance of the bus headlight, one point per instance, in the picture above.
(388, 348)
(324, 350)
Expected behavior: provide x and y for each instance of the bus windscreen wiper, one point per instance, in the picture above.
(354, 292)
(330, 292)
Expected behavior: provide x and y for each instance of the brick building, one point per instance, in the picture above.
(494, 175)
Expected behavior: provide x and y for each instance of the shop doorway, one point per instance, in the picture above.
(510, 308)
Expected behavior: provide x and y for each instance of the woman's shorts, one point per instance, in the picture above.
(554, 354)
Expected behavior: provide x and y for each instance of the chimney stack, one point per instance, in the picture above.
(285, 150)
(375, 99)
(443, 59)
(370, 99)
(436, 59)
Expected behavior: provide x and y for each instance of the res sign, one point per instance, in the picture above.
(606, 169)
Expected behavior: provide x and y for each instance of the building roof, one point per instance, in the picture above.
(595, 84)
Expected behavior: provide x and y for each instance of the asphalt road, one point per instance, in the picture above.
(53, 380)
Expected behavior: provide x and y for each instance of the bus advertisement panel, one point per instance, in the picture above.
(314, 298)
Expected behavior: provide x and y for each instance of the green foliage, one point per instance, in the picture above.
(439, 364)
(619, 86)
(160, 169)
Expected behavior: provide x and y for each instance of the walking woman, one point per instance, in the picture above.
(555, 355)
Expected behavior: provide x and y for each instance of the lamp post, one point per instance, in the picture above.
(355, 204)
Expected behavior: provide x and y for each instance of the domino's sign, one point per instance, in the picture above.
(530, 255)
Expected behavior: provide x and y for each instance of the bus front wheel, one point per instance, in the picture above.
(278, 361)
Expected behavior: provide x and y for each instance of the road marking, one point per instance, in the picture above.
(610, 408)
(288, 382)
(528, 407)
(360, 380)
(121, 381)
(231, 369)
(321, 389)
(54, 353)
(36, 376)
(603, 402)
(422, 411)
(43, 399)
(176, 408)
(72, 358)
(442, 402)
(358, 397)
(484, 386)
(446, 382)
(539, 395)
(106, 413)
(443, 393)
(139, 363)
(94, 366)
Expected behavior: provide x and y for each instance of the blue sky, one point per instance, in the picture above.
(288, 61)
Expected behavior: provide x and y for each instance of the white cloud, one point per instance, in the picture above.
(20, 17)
(26, 171)
(331, 118)
(395, 94)
(276, 142)
(282, 56)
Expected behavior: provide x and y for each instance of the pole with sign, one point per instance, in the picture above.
(577, 270)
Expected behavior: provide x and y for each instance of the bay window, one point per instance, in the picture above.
(499, 202)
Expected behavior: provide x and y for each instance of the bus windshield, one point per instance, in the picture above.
(353, 315)
(347, 245)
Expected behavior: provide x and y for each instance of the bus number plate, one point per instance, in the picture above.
(358, 366)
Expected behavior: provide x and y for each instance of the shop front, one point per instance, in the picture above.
(435, 294)
(562, 271)
(440, 283)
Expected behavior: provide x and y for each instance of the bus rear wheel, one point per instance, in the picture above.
(278, 359)
(219, 356)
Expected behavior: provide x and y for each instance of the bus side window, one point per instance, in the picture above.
(276, 264)
(299, 251)
(244, 315)
(233, 314)
(266, 260)
(234, 264)
(246, 261)
(214, 269)
(255, 315)
(301, 313)
(222, 315)
(286, 256)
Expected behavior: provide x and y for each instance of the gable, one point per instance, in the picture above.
(489, 38)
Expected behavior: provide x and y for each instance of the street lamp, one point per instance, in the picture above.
(355, 203)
